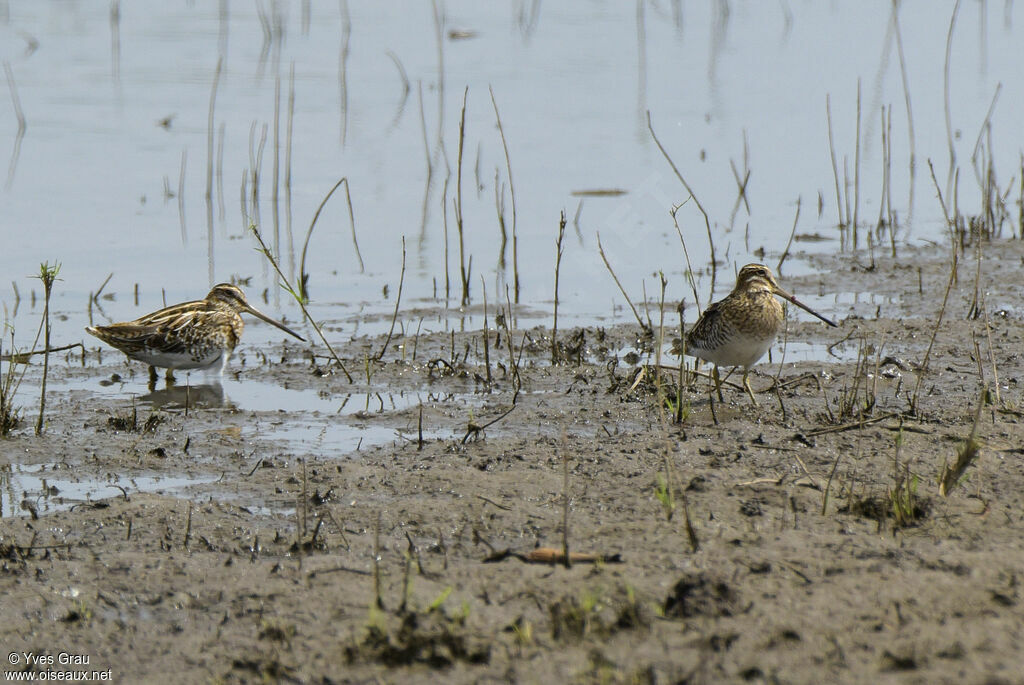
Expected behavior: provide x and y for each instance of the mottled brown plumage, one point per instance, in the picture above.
(191, 335)
(738, 330)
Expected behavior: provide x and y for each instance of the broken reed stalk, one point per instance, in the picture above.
(512, 192)
(636, 314)
(696, 200)
(559, 249)
(935, 331)
(661, 343)
(513, 364)
(487, 334)
(299, 299)
(992, 358)
(785, 253)
(398, 301)
(682, 363)
(458, 203)
(686, 254)
(986, 126)
(47, 274)
(209, 168)
(950, 221)
(303, 276)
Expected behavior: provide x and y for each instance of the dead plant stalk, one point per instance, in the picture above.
(559, 249)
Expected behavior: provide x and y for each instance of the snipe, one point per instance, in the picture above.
(738, 330)
(190, 335)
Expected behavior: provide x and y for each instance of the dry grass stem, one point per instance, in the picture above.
(696, 200)
(512, 192)
(398, 301)
(303, 276)
(636, 314)
(558, 264)
(299, 300)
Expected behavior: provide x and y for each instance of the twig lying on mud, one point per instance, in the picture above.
(550, 555)
(492, 502)
(850, 426)
(23, 357)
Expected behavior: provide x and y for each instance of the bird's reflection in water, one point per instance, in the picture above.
(188, 397)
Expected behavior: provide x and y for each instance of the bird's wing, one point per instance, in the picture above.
(702, 329)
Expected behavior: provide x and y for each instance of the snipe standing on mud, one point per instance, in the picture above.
(191, 335)
(739, 329)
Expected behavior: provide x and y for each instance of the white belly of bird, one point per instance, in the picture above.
(185, 362)
(738, 351)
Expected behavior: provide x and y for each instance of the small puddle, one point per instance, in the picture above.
(298, 420)
(51, 487)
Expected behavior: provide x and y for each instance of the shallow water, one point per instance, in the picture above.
(45, 488)
(112, 107)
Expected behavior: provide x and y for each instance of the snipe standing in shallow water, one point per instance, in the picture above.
(190, 335)
(739, 329)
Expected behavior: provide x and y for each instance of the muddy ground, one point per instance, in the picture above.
(819, 547)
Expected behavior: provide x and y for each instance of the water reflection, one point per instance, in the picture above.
(188, 397)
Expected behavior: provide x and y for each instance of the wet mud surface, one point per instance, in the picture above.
(217, 546)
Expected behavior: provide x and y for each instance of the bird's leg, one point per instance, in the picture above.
(746, 384)
(152, 378)
(718, 383)
(170, 377)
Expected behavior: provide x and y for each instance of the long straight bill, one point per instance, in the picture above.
(804, 307)
(260, 315)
